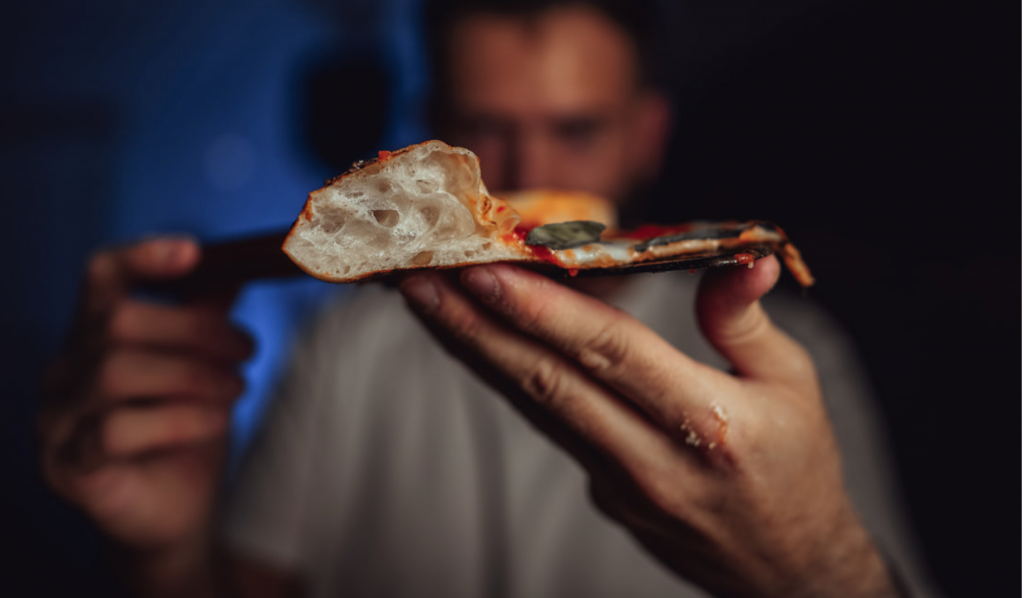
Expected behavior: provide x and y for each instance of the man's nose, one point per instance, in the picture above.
(533, 165)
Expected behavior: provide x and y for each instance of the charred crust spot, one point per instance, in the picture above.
(356, 167)
(359, 165)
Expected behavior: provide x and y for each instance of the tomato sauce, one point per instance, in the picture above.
(539, 251)
(744, 258)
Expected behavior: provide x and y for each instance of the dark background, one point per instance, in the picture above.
(883, 136)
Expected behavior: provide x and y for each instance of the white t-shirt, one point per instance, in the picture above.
(386, 468)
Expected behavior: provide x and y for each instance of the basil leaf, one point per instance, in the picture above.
(565, 235)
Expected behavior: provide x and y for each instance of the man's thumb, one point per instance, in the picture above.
(730, 315)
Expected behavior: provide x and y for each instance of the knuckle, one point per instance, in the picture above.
(545, 381)
(735, 448)
(751, 324)
(663, 492)
(535, 316)
(720, 437)
(464, 326)
(730, 458)
(606, 349)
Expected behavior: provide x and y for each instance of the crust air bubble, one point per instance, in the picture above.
(386, 218)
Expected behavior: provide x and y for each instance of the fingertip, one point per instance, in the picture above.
(740, 285)
(174, 253)
(420, 291)
(732, 319)
(511, 276)
(480, 281)
(764, 275)
(498, 284)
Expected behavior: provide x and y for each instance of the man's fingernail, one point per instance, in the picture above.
(173, 252)
(420, 292)
(168, 249)
(481, 283)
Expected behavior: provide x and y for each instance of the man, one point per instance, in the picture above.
(386, 468)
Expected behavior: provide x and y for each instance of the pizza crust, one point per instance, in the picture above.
(421, 206)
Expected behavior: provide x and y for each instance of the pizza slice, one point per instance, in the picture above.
(425, 206)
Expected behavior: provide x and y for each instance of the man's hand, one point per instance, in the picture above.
(732, 480)
(137, 408)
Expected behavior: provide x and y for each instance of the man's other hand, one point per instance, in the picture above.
(137, 407)
(731, 479)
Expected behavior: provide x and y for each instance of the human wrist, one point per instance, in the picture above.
(851, 567)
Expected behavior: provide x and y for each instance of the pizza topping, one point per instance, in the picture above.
(517, 239)
(565, 235)
(745, 258)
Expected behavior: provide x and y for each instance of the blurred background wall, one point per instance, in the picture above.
(883, 136)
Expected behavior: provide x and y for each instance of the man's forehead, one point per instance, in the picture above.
(563, 59)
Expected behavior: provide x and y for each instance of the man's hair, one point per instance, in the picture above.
(638, 19)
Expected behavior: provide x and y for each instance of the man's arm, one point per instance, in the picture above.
(733, 481)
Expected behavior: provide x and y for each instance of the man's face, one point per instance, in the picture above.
(553, 102)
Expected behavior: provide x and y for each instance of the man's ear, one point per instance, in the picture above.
(652, 124)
